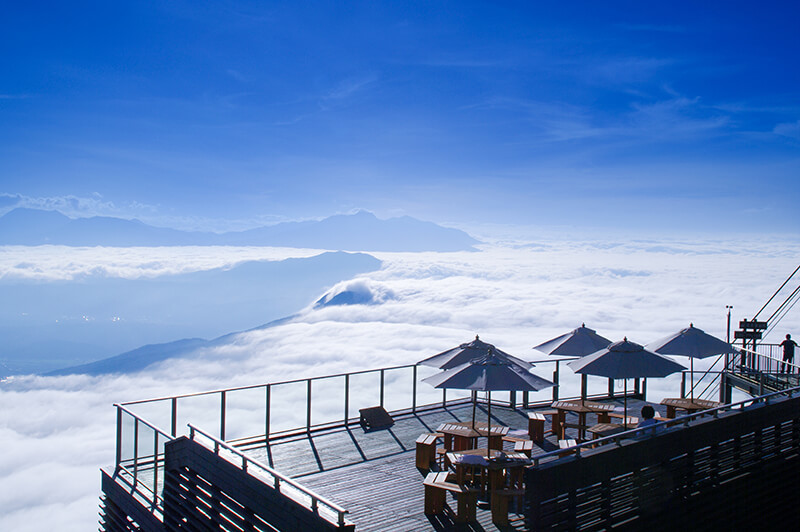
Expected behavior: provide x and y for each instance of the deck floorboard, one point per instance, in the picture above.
(373, 474)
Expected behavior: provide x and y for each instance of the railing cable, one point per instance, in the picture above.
(776, 293)
(794, 295)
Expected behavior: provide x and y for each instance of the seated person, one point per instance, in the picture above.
(648, 413)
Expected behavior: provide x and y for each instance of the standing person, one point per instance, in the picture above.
(788, 352)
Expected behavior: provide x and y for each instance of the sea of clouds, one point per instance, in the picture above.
(57, 432)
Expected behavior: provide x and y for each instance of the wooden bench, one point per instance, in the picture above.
(375, 418)
(426, 450)
(536, 426)
(525, 447)
(632, 421)
(436, 487)
(565, 445)
(557, 418)
(499, 504)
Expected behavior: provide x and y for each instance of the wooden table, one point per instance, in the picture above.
(504, 477)
(462, 436)
(581, 408)
(601, 430)
(690, 405)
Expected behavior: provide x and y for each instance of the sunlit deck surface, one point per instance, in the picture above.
(373, 475)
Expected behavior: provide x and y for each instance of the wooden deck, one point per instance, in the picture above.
(373, 475)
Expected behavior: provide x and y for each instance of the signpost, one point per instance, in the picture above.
(749, 330)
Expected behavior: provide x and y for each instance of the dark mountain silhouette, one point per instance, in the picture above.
(47, 325)
(361, 231)
(136, 359)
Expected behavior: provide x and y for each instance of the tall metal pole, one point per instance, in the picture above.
(729, 307)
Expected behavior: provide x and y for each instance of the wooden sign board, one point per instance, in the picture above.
(747, 335)
(754, 324)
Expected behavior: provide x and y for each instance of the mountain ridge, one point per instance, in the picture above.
(361, 231)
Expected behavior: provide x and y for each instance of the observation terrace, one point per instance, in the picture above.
(293, 456)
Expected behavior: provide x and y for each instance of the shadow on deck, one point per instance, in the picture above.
(373, 474)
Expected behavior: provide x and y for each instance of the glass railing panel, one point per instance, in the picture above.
(245, 413)
(287, 406)
(327, 400)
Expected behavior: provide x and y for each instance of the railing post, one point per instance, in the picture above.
(135, 449)
(308, 405)
(346, 398)
(155, 468)
(222, 401)
(174, 426)
(267, 413)
(414, 390)
(119, 435)
(382, 384)
(555, 380)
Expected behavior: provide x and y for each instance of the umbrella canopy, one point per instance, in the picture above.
(579, 342)
(625, 360)
(694, 343)
(691, 342)
(488, 373)
(470, 351)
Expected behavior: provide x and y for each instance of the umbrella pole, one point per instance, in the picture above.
(474, 401)
(625, 419)
(489, 427)
(584, 387)
(691, 380)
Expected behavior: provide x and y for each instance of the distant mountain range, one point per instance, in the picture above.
(142, 357)
(361, 231)
(49, 325)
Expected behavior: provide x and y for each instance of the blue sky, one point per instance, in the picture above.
(660, 116)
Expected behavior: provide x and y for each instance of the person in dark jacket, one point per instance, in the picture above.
(788, 352)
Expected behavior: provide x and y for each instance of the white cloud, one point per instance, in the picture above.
(57, 432)
(48, 263)
(788, 129)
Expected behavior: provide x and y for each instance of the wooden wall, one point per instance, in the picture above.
(740, 470)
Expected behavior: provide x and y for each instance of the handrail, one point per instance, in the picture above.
(143, 421)
(254, 386)
(297, 381)
(778, 360)
(316, 500)
(617, 438)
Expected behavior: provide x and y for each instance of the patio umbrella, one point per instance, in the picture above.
(625, 360)
(469, 351)
(693, 343)
(577, 343)
(488, 373)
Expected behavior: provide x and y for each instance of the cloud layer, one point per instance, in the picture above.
(57, 432)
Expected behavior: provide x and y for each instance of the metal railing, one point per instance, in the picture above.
(357, 389)
(246, 415)
(661, 425)
(141, 466)
(770, 362)
(319, 505)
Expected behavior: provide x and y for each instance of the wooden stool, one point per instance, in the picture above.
(536, 426)
(525, 447)
(499, 504)
(436, 487)
(426, 451)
